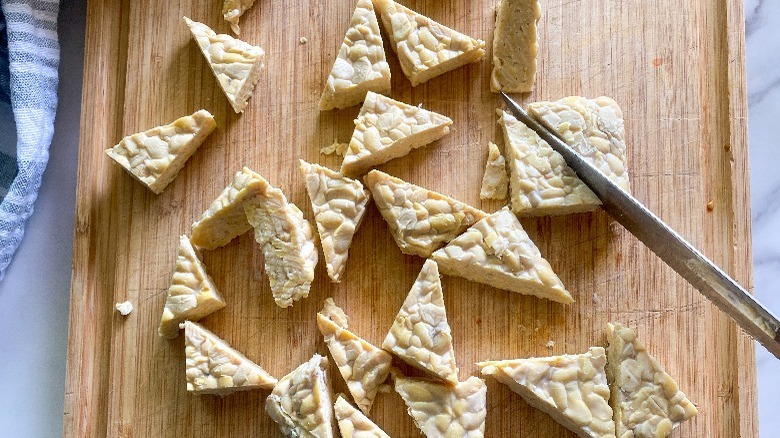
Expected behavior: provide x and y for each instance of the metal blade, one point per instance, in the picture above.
(675, 251)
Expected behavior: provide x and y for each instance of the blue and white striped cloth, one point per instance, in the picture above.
(29, 58)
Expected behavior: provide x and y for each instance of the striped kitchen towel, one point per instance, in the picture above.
(29, 57)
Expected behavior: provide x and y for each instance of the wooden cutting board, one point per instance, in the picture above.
(677, 70)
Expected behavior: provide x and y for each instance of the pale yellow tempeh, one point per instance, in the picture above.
(360, 65)
(420, 220)
(301, 403)
(571, 388)
(235, 63)
(191, 295)
(353, 424)
(232, 10)
(424, 47)
(495, 182)
(647, 402)
(592, 127)
(213, 367)
(540, 181)
(387, 129)
(339, 204)
(420, 334)
(225, 218)
(514, 46)
(363, 366)
(156, 156)
(443, 410)
(497, 251)
(287, 241)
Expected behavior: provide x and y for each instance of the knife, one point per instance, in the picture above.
(755, 319)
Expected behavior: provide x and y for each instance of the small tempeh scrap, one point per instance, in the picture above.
(514, 46)
(191, 295)
(571, 388)
(363, 366)
(287, 241)
(540, 181)
(497, 251)
(495, 182)
(235, 63)
(339, 205)
(387, 129)
(360, 65)
(225, 218)
(353, 424)
(156, 156)
(420, 334)
(443, 410)
(424, 47)
(232, 10)
(593, 128)
(647, 402)
(301, 403)
(420, 220)
(214, 367)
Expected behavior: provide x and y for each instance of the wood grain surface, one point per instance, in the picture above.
(677, 70)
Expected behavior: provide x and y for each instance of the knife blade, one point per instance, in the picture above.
(755, 319)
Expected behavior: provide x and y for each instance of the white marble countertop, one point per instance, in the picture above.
(36, 337)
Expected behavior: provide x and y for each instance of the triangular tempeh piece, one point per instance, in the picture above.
(225, 218)
(360, 65)
(191, 295)
(497, 251)
(387, 129)
(154, 157)
(420, 334)
(646, 401)
(495, 181)
(301, 403)
(353, 424)
(214, 367)
(287, 241)
(235, 64)
(232, 10)
(424, 47)
(592, 127)
(444, 410)
(363, 366)
(420, 220)
(540, 182)
(571, 388)
(339, 204)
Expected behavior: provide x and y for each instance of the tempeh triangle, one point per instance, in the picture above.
(444, 410)
(191, 295)
(235, 63)
(497, 251)
(353, 424)
(363, 366)
(387, 129)
(214, 367)
(301, 402)
(647, 402)
(339, 204)
(571, 388)
(154, 157)
(424, 47)
(420, 220)
(225, 218)
(360, 65)
(420, 334)
(540, 182)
